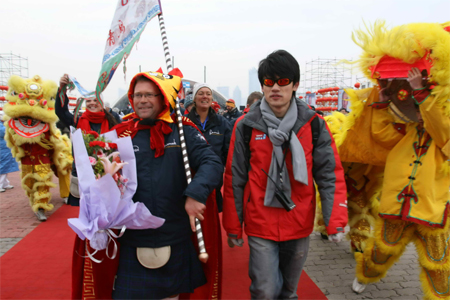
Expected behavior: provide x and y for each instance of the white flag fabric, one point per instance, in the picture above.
(129, 21)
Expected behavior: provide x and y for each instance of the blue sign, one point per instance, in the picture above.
(186, 84)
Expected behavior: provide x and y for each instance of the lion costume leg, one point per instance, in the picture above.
(383, 249)
(360, 220)
(432, 247)
(37, 181)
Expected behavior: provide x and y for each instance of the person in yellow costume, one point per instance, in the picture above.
(35, 141)
(405, 124)
(363, 190)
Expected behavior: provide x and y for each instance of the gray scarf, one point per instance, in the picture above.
(279, 131)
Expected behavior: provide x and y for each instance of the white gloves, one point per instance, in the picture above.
(235, 242)
(336, 238)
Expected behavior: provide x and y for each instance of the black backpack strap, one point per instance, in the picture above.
(247, 138)
(315, 130)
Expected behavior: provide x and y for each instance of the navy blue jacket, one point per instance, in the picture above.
(162, 185)
(232, 116)
(217, 132)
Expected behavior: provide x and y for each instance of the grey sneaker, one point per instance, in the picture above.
(65, 200)
(40, 214)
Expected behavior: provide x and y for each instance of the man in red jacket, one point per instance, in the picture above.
(277, 151)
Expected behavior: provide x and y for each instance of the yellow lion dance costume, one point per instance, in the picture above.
(363, 191)
(414, 201)
(35, 141)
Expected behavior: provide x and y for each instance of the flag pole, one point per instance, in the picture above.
(203, 256)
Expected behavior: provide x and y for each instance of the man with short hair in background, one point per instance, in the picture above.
(232, 113)
(252, 98)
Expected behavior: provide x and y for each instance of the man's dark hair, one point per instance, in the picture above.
(141, 78)
(279, 64)
(255, 96)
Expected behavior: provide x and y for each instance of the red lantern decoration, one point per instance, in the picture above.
(357, 85)
(308, 92)
(336, 88)
(301, 97)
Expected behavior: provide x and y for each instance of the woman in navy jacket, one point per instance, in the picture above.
(215, 128)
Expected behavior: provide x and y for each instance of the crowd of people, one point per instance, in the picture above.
(266, 168)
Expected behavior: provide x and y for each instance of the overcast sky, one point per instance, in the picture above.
(228, 37)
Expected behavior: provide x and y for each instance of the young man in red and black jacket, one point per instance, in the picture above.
(272, 152)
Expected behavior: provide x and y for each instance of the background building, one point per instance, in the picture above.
(253, 82)
(224, 90)
(237, 96)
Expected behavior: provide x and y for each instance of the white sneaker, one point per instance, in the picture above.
(358, 287)
(40, 214)
(8, 187)
(65, 200)
(2, 190)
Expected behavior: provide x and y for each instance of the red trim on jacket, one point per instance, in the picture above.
(276, 223)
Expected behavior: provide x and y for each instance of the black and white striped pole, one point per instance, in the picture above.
(203, 256)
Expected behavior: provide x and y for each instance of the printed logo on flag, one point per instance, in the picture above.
(259, 137)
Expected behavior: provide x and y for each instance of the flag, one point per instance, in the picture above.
(129, 21)
(85, 93)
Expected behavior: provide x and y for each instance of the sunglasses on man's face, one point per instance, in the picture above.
(281, 82)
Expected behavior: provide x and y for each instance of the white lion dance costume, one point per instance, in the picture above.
(414, 200)
(35, 141)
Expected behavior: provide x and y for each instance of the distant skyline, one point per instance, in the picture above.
(229, 37)
(224, 90)
(253, 82)
(237, 96)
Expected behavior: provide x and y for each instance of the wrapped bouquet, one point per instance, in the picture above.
(107, 182)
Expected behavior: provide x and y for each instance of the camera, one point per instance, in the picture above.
(287, 202)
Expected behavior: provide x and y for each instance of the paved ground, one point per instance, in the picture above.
(16, 217)
(330, 265)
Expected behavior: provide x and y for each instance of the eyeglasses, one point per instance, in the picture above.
(146, 96)
(281, 82)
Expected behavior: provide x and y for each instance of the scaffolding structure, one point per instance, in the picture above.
(323, 73)
(12, 64)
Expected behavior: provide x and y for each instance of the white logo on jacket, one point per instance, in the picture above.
(199, 135)
(214, 132)
(171, 144)
(136, 148)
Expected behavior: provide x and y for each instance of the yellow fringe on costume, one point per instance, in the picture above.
(357, 144)
(391, 238)
(367, 268)
(37, 181)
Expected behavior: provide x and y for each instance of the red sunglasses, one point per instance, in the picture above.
(280, 82)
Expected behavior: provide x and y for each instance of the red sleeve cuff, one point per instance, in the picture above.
(420, 95)
(380, 105)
